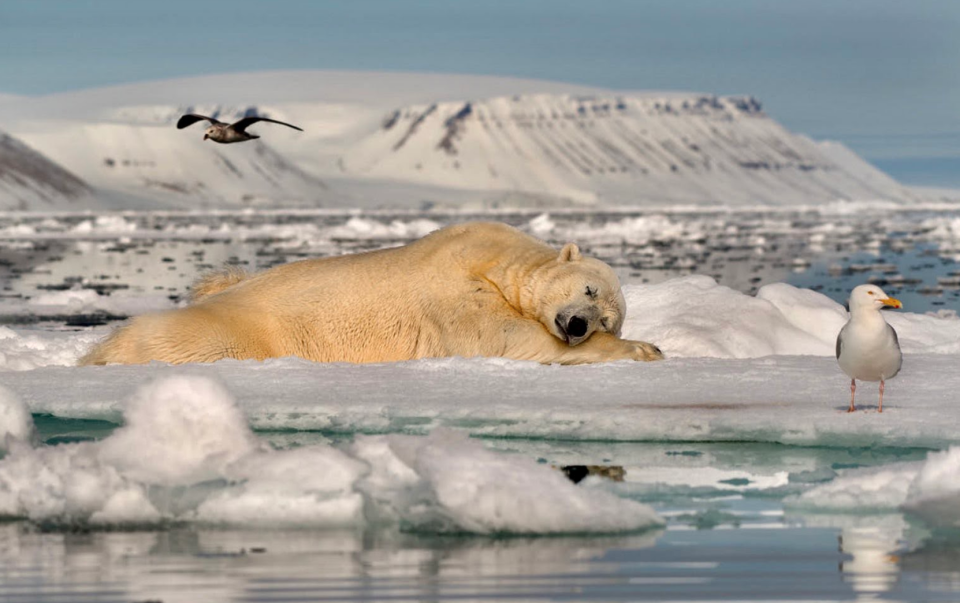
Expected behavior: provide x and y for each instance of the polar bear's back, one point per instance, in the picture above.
(435, 259)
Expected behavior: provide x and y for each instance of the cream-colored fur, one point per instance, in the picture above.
(215, 282)
(475, 289)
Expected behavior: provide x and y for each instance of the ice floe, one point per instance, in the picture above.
(186, 453)
(739, 367)
(27, 349)
(16, 425)
(69, 302)
(927, 489)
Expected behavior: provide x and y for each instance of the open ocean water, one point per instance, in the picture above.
(729, 536)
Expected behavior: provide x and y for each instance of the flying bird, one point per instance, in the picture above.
(227, 133)
(867, 347)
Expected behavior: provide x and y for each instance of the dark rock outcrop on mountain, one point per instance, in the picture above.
(28, 180)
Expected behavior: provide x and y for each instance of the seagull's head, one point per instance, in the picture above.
(211, 132)
(871, 297)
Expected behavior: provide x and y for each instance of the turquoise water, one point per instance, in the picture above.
(727, 539)
(730, 536)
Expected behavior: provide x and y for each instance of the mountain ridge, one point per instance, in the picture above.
(614, 146)
(29, 180)
(443, 139)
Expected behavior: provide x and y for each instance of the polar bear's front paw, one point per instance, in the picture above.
(641, 350)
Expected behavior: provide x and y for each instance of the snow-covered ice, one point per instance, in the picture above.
(27, 349)
(739, 367)
(185, 453)
(927, 489)
(16, 425)
(861, 491)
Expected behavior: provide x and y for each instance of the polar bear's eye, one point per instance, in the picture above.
(591, 292)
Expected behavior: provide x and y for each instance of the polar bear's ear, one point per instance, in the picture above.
(570, 253)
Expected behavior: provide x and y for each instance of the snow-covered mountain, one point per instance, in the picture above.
(627, 149)
(374, 139)
(28, 180)
(139, 152)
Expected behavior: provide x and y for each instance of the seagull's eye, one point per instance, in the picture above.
(870, 293)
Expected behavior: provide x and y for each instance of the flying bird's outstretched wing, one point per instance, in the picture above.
(191, 118)
(242, 124)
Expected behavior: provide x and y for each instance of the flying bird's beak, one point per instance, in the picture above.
(206, 136)
(893, 303)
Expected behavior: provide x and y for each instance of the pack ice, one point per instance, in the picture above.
(186, 454)
(739, 368)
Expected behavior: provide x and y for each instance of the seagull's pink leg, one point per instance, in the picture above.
(881, 396)
(853, 392)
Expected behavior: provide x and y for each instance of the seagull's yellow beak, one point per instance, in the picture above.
(893, 303)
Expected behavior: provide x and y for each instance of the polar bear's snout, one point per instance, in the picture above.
(574, 326)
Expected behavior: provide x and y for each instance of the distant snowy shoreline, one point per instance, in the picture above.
(841, 207)
(406, 140)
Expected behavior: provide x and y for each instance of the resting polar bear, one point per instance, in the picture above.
(475, 289)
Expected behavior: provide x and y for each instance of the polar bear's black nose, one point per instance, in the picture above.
(577, 327)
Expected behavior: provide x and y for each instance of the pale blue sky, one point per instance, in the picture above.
(881, 75)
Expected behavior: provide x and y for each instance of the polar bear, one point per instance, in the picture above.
(474, 289)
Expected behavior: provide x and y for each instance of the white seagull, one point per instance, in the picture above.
(867, 347)
(227, 133)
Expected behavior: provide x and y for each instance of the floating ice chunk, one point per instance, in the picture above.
(929, 490)
(363, 228)
(178, 431)
(943, 228)
(541, 225)
(66, 483)
(186, 454)
(70, 298)
(390, 483)
(16, 424)
(459, 486)
(105, 224)
(304, 486)
(637, 231)
(26, 350)
(935, 493)
(79, 300)
(18, 230)
(861, 490)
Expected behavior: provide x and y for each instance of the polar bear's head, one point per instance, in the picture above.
(576, 296)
